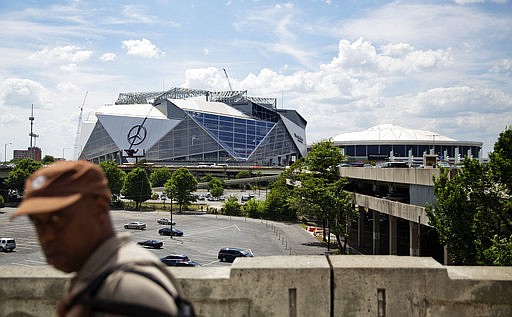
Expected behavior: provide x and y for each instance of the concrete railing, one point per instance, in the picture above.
(393, 208)
(417, 176)
(303, 286)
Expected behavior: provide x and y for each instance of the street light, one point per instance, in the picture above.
(5, 151)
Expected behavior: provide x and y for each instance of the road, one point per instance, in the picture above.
(204, 235)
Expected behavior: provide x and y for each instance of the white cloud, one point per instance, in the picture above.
(142, 48)
(453, 101)
(206, 51)
(66, 87)
(68, 53)
(21, 93)
(135, 14)
(478, 1)
(205, 78)
(69, 68)
(503, 66)
(108, 57)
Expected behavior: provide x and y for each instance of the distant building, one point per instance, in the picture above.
(383, 141)
(188, 125)
(32, 152)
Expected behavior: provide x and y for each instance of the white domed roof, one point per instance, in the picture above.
(391, 133)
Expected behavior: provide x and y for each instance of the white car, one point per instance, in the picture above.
(166, 221)
(135, 225)
(7, 244)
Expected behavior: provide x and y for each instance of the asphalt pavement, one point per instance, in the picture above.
(204, 235)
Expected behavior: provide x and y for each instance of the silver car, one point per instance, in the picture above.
(135, 225)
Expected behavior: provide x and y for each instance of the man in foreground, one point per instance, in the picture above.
(68, 204)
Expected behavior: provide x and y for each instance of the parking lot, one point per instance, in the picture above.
(204, 235)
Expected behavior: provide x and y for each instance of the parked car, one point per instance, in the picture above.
(135, 225)
(167, 231)
(229, 254)
(166, 221)
(7, 244)
(154, 244)
(180, 263)
(245, 198)
(185, 263)
(171, 259)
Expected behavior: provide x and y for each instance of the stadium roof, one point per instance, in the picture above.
(132, 110)
(391, 133)
(200, 105)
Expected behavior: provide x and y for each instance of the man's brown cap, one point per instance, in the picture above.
(60, 185)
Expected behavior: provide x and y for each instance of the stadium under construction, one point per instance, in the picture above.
(194, 126)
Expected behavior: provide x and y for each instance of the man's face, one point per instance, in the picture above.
(69, 235)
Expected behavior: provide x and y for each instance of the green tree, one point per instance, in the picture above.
(115, 176)
(254, 208)
(20, 172)
(316, 175)
(47, 159)
(137, 186)
(241, 175)
(180, 187)
(342, 213)
(216, 187)
(322, 160)
(232, 207)
(472, 214)
(216, 191)
(160, 176)
(280, 202)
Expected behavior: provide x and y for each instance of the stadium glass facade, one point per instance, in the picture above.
(232, 129)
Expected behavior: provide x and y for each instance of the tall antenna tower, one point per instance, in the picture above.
(78, 130)
(31, 118)
(32, 135)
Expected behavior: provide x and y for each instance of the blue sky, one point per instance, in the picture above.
(442, 66)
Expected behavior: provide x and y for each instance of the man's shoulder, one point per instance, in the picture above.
(142, 284)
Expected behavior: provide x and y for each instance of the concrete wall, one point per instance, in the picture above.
(418, 176)
(405, 211)
(303, 286)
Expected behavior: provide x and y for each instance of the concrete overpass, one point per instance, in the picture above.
(397, 198)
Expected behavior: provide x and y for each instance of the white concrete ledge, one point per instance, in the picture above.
(354, 285)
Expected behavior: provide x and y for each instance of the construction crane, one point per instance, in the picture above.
(227, 77)
(78, 129)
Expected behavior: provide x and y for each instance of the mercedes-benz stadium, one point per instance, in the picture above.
(191, 125)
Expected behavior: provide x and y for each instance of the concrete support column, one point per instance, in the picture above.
(376, 232)
(393, 249)
(360, 226)
(414, 242)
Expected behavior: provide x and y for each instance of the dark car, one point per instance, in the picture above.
(155, 244)
(230, 254)
(167, 231)
(171, 259)
(181, 263)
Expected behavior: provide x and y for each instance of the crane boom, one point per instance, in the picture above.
(227, 77)
(78, 129)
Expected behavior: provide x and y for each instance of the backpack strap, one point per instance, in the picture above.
(87, 296)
